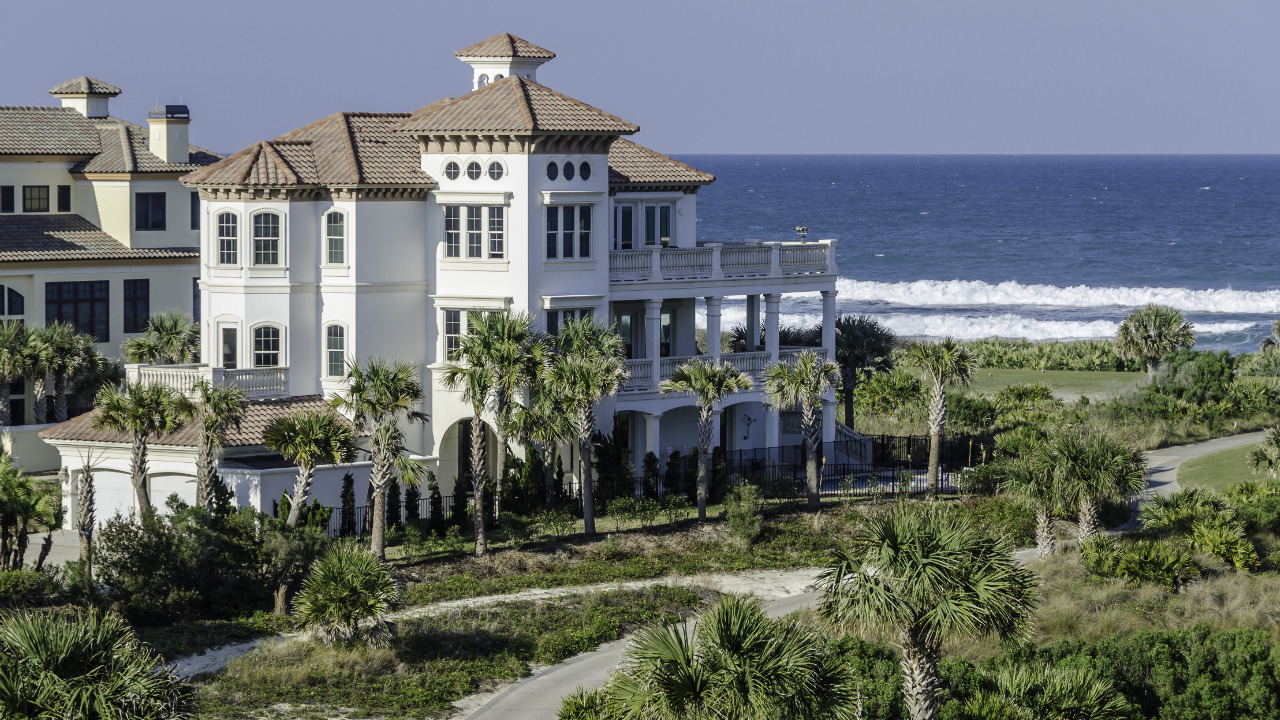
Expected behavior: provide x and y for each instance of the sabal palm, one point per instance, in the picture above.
(542, 422)
(944, 362)
(1034, 482)
(25, 506)
(13, 345)
(1092, 471)
(862, 345)
(308, 438)
(346, 596)
(170, 337)
(143, 411)
(1046, 692)
(37, 365)
(1151, 332)
(88, 665)
(75, 354)
(709, 383)
(587, 368)
(218, 409)
(930, 574)
(802, 382)
(380, 395)
(1266, 456)
(737, 663)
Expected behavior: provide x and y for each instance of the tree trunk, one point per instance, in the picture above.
(61, 388)
(138, 473)
(86, 543)
(45, 546)
(5, 406)
(1087, 522)
(705, 420)
(1045, 540)
(846, 391)
(588, 491)
(39, 403)
(281, 597)
(301, 490)
(366, 525)
(378, 535)
(479, 476)
(20, 549)
(5, 538)
(501, 473)
(920, 681)
(937, 421)
(205, 473)
(812, 430)
(549, 453)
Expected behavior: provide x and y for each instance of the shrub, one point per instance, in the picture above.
(347, 586)
(84, 665)
(347, 514)
(647, 511)
(584, 704)
(675, 507)
(621, 510)
(21, 588)
(412, 504)
(519, 530)
(556, 523)
(1021, 440)
(1158, 562)
(1225, 540)
(886, 393)
(1100, 555)
(742, 510)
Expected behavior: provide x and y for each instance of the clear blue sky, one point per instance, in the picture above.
(863, 76)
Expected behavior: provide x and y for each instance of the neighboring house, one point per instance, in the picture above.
(95, 228)
(373, 234)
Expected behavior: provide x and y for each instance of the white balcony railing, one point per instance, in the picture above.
(257, 383)
(751, 363)
(641, 375)
(716, 261)
(789, 354)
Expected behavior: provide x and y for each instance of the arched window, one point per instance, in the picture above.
(451, 170)
(335, 238)
(335, 350)
(266, 346)
(584, 170)
(497, 77)
(484, 80)
(228, 239)
(473, 170)
(266, 239)
(553, 171)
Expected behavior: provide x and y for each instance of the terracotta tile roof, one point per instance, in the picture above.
(514, 105)
(505, 45)
(257, 415)
(340, 149)
(87, 85)
(632, 164)
(126, 149)
(36, 238)
(46, 131)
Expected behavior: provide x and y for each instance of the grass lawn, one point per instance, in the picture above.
(1066, 384)
(1218, 471)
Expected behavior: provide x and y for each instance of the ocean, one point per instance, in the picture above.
(1018, 246)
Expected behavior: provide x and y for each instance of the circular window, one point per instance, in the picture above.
(495, 170)
(584, 170)
(553, 171)
(451, 170)
(473, 170)
(568, 171)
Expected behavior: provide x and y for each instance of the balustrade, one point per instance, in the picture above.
(641, 375)
(257, 383)
(752, 363)
(716, 261)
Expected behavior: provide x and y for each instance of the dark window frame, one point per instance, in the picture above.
(137, 305)
(6, 199)
(33, 200)
(84, 304)
(195, 209)
(64, 198)
(150, 212)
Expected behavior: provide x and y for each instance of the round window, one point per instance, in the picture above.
(553, 171)
(568, 171)
(451, 170)
(473, 170)
(495, 170)
(584, 170)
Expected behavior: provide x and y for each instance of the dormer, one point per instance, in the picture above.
(88, 96)
(503, 55)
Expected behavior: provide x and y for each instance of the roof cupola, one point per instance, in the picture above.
(89, 96)
(167, 138)
(503, 55)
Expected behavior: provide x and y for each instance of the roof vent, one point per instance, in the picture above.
(169, 111)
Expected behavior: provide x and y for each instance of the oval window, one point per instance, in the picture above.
(495, 170)
(584, 170)
(553, 171)
(473, 170)
(451, 170)
(568, 171)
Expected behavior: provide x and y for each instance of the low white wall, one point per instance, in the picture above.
(24, 445)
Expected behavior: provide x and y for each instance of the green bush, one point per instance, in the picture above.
(519, 530)
(346, 596)
(743, 513)
(1052, 355)
(1100, 555)
(1000, 516)
(621, 511)
(22, 588)
(584, 704)
(1199, 377)
(1158, 562)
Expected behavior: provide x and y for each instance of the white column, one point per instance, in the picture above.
(771, 325)
(753, 323)
(828, 420)
(772, 425)
(713, 328)
(829, 323)
(653, 336)
(653, 437)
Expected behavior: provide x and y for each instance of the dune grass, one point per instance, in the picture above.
(1066, 384)
(1217, 471)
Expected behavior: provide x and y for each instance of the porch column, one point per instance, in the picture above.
(772, 429)
(713, 328)
(828, 420)
(771, 326)
(653, 438)
(753, 323)
(653, 337)
(829, 323)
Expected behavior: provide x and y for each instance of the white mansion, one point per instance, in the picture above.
(372, 234)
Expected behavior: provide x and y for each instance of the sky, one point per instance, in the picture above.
(699, 76)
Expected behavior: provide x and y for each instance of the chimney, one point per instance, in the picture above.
(168, 136)
(88, 96)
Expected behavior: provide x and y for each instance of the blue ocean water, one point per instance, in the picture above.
(1039, 247)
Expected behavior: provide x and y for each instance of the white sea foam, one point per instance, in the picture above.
(972, 293)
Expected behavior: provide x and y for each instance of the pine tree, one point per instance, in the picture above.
(347, 518)
(458, 513)
(412, 507)
(395, 508)
(435, 517)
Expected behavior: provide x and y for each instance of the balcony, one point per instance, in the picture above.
(718, 261)
(257, 383)
(753, 364)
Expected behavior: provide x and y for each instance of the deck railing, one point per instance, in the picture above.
(714, 261)
(257, 383)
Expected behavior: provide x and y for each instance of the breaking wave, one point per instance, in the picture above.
(974, 293)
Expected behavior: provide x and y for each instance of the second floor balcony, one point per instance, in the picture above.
(257, 383)
(754, 364)
(748, 261)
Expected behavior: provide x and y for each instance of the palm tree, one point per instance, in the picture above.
(25, 506)
(543, 423)
(587, 368)
(13, 345)
(944, 362)
(863, 345)
(709, 383)
(86, 515)
(802, 382)
(1092, 471)
(1151, 332)
(1034, 482)
(308, 438)
(142, 411)
(1270, 344)
(346, 597)
(170, 338)
(737, 663)
(380, 395)
(38, 362)
(218, 409)
(76, 357)
(1047, 692)
(929, 574)
(85, 665)
(499, 357)
(1266, 456)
